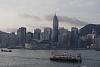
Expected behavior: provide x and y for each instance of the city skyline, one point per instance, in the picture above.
(52, 38)
(49, 33)
(39, 14)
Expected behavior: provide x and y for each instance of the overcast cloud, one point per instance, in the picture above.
(17, 13)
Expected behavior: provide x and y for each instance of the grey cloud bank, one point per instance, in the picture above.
(62, 19)
(68, 20)
(36, 12)
(37, 18)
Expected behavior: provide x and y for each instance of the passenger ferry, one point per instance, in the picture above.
(66, 57)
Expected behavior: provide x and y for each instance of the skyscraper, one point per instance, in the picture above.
(21, 33)
(74, 37)
(64, 38)
(55, 29)
(47, 33)
(12, 40)
(37, 33)
(29, 37)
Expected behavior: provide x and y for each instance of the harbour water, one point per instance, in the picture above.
(40, 58)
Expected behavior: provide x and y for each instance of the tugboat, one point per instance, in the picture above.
(4, 50)
(67, 58)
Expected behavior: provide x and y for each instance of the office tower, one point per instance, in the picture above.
(42, 36)
(21, 33)
(12, 40)
(74, 37)
(91, 43)
(64, 38)
(29, 37)
(47, 34)
(97, 41)
(4, 37)
(55, 29)
(37, 33)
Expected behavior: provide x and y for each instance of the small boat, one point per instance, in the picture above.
(98, 49)
(82, 66)
(4, 50)
(67, 58)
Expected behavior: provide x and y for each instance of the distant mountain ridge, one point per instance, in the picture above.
(88, 29)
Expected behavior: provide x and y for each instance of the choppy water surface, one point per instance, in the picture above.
(40, 58)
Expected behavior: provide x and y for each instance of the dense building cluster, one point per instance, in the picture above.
(53, 38)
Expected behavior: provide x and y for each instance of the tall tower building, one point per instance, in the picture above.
(37, 33)
(21, 33)
(47, 33)
(63, 38)
(55, 28)
(29, 37)
(74, 37)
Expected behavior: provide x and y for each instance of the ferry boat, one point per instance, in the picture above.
(67, 58)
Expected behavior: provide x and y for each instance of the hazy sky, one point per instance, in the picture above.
(39, 13)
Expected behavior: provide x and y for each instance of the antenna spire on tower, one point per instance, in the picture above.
(55, 13)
